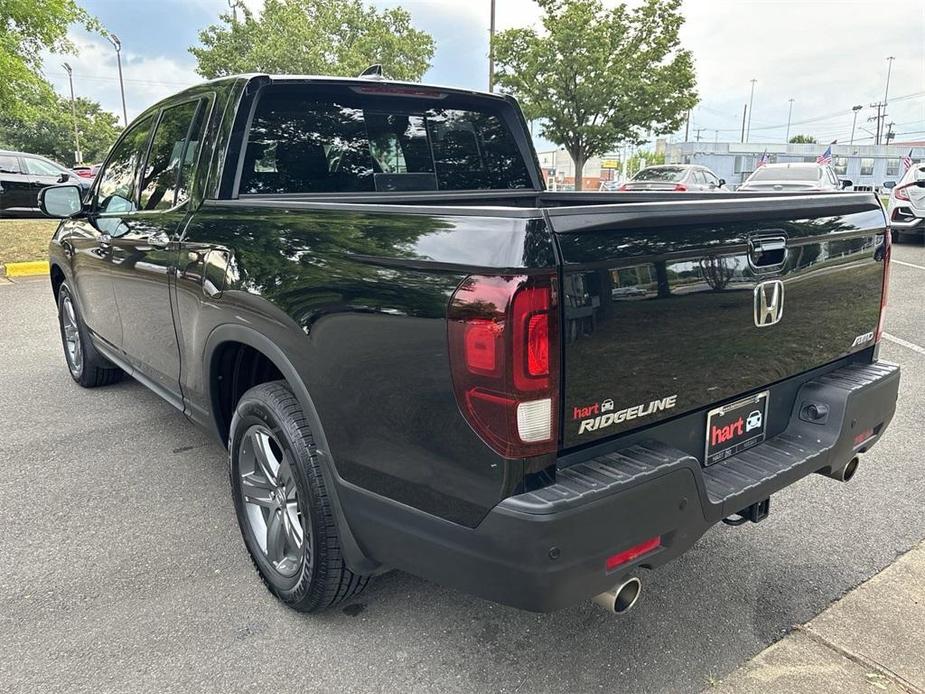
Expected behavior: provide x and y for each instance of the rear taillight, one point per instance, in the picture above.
(901, 194)
(623, 187)
(503, 336)
(680, 187)
(884, 292)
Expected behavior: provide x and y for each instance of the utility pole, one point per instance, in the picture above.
(889, 133)
(698, 131)
(78, 157)
(854, 121)
(751, 100)
(789, 113)
(117, 44)
(715, 136)
(687, 125)
(744, 110)
(889, 68)
(877, 118)
(491, 49)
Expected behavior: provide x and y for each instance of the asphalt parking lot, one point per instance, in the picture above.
(122, 569)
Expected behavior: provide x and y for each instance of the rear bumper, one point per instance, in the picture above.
(905, 218)
(546, 549)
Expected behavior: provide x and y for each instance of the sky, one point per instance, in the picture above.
(826, 55)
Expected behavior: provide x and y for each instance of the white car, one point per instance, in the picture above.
(795, 177)
(906, 209)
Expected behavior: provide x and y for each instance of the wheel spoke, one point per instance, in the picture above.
(263, 453)
(69, 308)
(256, 489)
(293, 526)
(276, 537)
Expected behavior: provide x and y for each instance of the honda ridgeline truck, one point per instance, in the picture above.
(420, 359)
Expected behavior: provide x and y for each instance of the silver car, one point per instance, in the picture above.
(675, 177)
(806, 178)
(906, 209)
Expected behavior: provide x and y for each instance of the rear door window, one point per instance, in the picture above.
(309, 139)
(160, 178)
(37, 167)
(9, 164)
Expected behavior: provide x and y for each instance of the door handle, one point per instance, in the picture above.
(105, 240)
(158, 239)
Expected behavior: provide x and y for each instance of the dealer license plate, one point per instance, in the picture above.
(735, 427)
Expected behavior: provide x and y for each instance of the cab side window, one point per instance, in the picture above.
(9, 164)
(117, 190)
(171, 150)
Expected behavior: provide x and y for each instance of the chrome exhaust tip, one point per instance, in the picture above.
(621, 598)
(844, 474)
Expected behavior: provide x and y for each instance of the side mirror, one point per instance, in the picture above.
(722, 182)
(60, 201)
(846, 183)
(889, 185)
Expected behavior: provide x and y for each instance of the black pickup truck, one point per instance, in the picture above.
(420, 359)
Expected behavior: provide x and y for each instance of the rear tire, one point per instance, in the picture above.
(86, 365)
(282, 503)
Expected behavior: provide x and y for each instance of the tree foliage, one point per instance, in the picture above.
(597, 77)
(46, 126)
(802, 140)
(27, 27)
(322, 37)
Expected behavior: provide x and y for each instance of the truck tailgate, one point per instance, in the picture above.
(675, 306)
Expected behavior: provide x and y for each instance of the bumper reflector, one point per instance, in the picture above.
(627, 555)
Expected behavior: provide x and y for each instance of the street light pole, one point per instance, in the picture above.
(854, 121)
(751, 100)
(789, 113)
(78, 157)
(117, 44)
(889, 68)
(491, 49)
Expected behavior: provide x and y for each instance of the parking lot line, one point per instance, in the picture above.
(904, 343)
(903, 262)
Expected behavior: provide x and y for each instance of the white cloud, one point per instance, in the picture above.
(147, 78)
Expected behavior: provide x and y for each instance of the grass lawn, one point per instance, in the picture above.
(22, 240)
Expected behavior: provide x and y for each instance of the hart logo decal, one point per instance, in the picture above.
(600, 415)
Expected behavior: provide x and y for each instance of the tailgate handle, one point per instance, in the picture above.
(767, 251)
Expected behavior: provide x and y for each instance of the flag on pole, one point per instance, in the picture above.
(906, 161)
(825, 157)
(764, 160)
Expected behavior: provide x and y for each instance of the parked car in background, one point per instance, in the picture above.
(906, 208)
(88, 171)
(23, 175)
(796, 177)
(675, 177)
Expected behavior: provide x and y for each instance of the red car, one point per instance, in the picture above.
(87, 171)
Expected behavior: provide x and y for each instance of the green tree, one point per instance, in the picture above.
(802, 140)
(596, 77)
(635, 162)
(46, 126)
(322, 37)
(27, 27)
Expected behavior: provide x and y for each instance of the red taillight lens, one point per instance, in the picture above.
(617, 560)
(901, 194)
(680, 187)
(622, 187)
(884, 292)
(503, 338)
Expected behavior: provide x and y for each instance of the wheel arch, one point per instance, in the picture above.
(356, 558)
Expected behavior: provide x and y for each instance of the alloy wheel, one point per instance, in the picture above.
(72, 347)
(268, 490)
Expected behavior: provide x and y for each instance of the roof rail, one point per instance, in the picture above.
(373, 72)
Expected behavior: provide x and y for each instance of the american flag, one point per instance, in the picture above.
(825, 157)
(906, 161)
(765, 158)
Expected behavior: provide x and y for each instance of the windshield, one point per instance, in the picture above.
(668, 174)
(787, 173)
(314, 139)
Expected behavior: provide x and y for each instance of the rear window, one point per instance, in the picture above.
(311, 139)
(668, 174)
(801, 173)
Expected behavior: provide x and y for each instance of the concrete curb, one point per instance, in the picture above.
(35, 267)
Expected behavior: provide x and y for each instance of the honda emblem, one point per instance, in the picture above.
(769, 303)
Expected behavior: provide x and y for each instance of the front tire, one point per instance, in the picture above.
(86, 365)
(282, 503)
